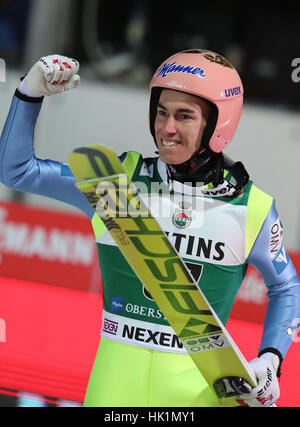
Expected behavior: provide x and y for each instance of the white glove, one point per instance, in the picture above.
(267, 390)
(50, 75)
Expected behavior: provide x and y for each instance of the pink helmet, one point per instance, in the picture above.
(207, 75)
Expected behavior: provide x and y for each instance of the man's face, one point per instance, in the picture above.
(179, 125)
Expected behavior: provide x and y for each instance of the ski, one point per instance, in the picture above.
(103, 180)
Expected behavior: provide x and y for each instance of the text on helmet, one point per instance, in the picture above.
(233, 91)
(173, 67)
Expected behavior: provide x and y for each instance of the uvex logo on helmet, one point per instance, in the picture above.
(233, 91)
(173, 67)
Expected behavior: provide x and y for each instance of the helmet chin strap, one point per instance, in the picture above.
(209, 167)
(205, 167)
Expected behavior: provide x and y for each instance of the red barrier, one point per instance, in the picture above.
(50, 321)
(48, 247)
(48, 338)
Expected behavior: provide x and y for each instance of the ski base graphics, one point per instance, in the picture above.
(103, 180)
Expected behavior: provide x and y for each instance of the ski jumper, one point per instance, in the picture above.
(140, 361)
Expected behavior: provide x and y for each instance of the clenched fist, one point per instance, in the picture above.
(50, 75)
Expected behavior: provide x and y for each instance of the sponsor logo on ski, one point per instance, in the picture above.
(212, 342)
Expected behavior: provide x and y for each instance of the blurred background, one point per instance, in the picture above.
(119, 46)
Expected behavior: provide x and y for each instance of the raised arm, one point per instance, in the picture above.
(19, 168)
